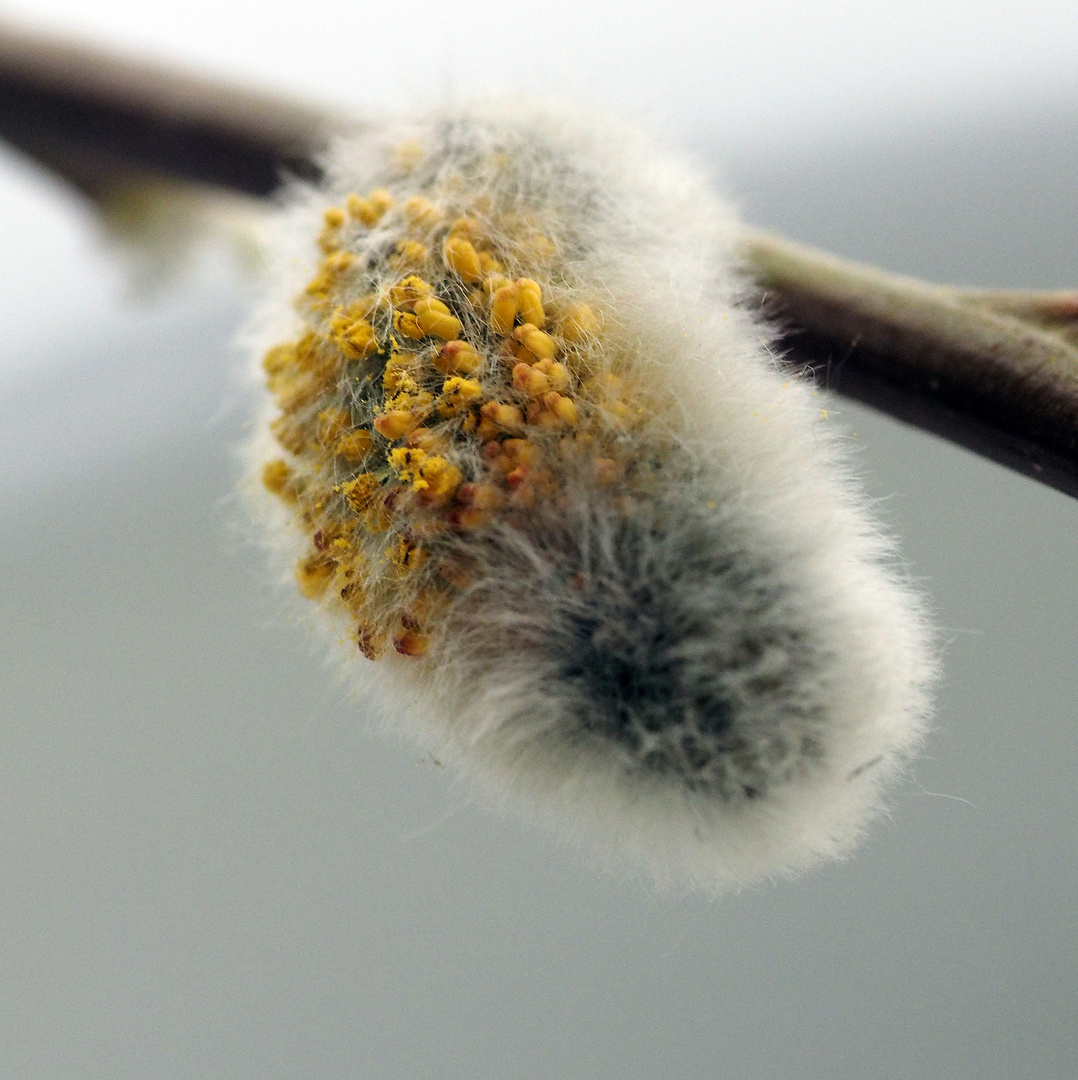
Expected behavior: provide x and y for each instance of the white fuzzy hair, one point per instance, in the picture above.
(713, 676)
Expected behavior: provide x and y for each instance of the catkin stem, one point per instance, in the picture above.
(995, 372)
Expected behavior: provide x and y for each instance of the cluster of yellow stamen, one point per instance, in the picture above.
(435, 387)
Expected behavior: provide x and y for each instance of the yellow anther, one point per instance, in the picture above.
(334, 217)
(504, 306)
(398, 373)
(435, 319)
(489, 265)
(314, 573)
(339, 262)
(540, 344)
(458, 358)
(276, 476)
(362, 210)
(520, 451)
(422, 438)
(354, 445)
(467, 227)
(329, 240)
(494, 281)
(332, 424)
(411, 399)
(278, 359)
(411, 643)
(530, 297)
(530, 380)
(422, 212)
(407, 463)
(486, 497)
(484, 430)
(362, 307)
(504, 416)
(355, 338)
(563, 408)
(296, 394)
(410, 253)
(369, 210)
(361, 493)
(320, 284)
(395, 424)
(408, 290)
(458, 394)
(406, 323)
(290, 434)
(462, 258)
(442, 480)
(579, 323)
(557, 373)
(509, 457)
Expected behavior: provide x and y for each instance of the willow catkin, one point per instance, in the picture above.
(580, 532)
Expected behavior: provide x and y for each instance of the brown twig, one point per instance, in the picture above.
(98, 119)
(995, 372)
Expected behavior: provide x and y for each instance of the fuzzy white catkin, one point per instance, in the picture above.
(710, 668)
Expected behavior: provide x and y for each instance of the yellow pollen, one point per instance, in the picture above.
(355, 338)
(458, 394)
(407, 463)
(360, 493)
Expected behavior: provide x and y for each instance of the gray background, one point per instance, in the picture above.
(209, 868)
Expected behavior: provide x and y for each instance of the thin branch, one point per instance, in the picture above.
(98, 119)
(996, 372)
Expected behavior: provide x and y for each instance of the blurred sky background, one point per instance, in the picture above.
(210, 868)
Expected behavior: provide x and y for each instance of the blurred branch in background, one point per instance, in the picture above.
(995, 372)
